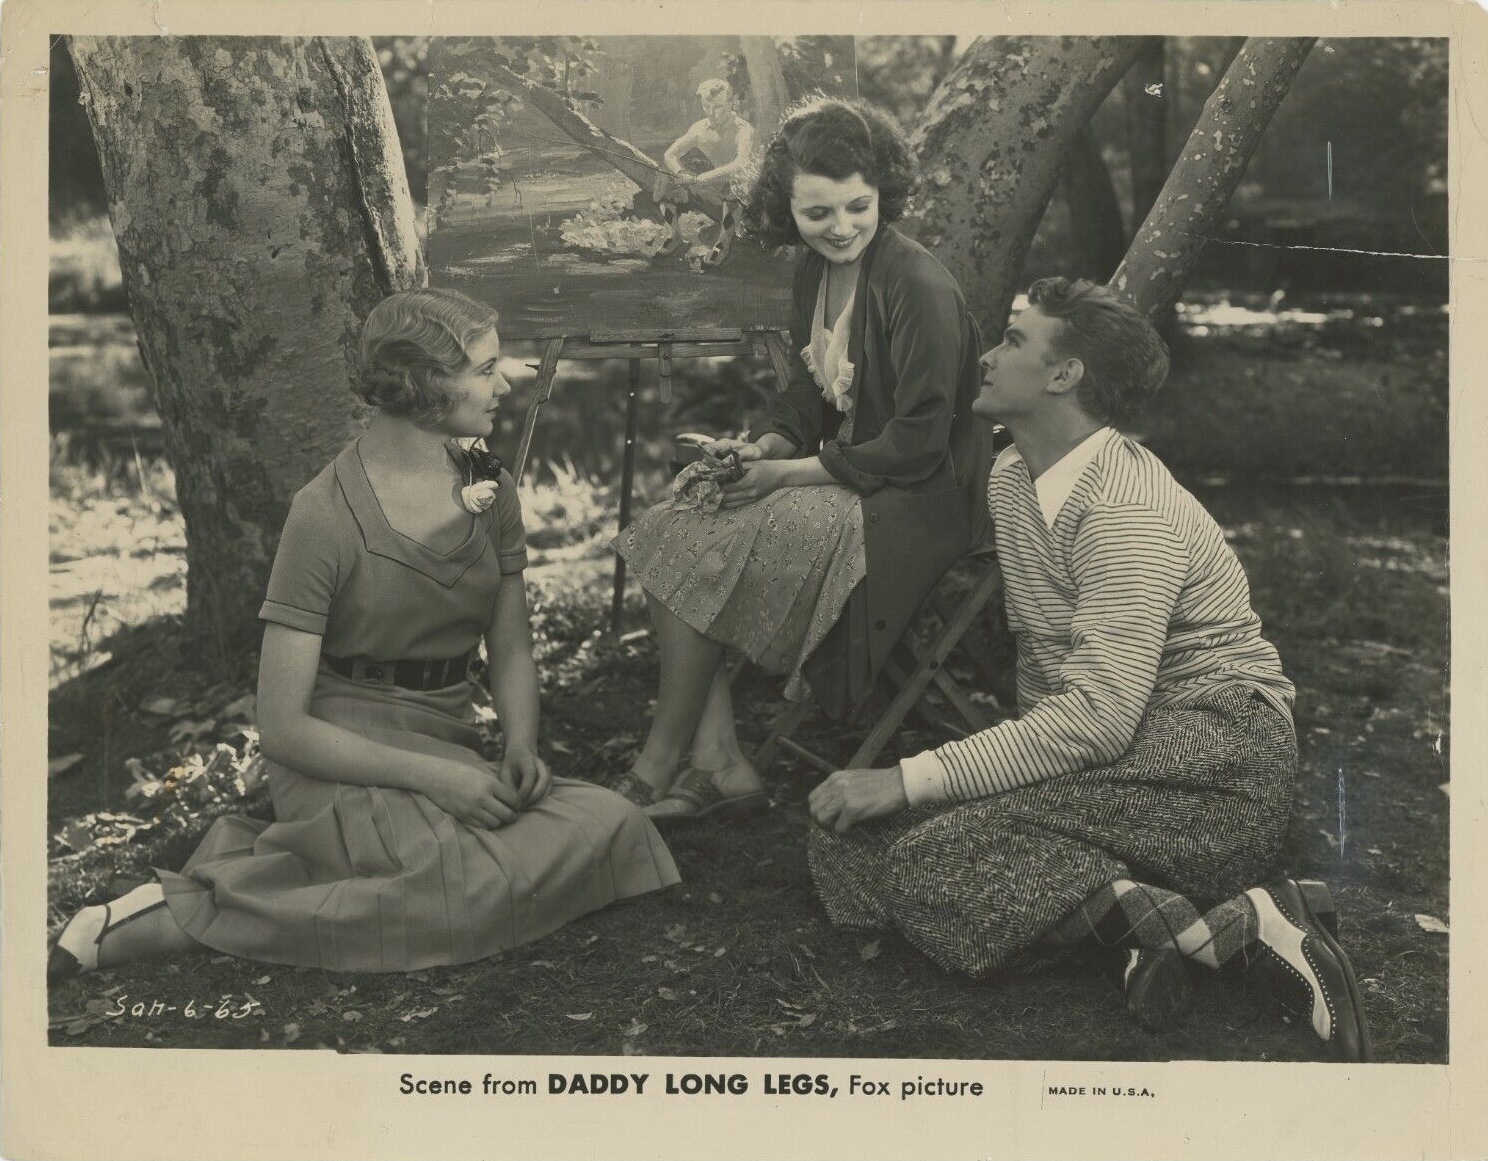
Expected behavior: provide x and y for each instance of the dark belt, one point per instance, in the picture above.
(437, 674)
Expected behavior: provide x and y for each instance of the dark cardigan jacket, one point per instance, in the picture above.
(917, 455)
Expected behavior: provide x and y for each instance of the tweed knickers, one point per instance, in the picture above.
(1198, 804)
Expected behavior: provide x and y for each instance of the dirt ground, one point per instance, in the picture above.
(740, 959)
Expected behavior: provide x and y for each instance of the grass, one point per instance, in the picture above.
(117, 550)
(740, 960)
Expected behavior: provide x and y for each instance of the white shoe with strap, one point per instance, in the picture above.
(76, 949)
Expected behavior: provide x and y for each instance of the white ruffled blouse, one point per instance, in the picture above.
(825, 355)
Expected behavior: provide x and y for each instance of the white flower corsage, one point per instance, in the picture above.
(479, 496)
(481, 468)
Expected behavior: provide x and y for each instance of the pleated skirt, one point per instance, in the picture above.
(357, 878)
(769, 578)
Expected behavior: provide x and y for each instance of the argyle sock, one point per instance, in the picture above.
(1130, 914)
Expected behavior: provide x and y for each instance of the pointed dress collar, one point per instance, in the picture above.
(382, 539)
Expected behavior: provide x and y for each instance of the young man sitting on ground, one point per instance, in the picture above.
(1145, 787)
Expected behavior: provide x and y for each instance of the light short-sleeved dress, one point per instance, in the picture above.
(770, 578)
(359, 878)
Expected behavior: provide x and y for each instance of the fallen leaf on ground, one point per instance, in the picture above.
(580, 1015)
(666, 993)
(421, 1014)
(351, 1017)
(636, 1028)
(713, 896)
(1432, 924)
(869, 951)
(163, 706)
(807, 1020)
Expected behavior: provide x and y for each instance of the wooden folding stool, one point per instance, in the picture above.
(917, 674)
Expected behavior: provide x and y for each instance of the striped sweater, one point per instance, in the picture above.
(1123, 598)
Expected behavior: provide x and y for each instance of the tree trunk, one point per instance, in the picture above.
(261, 208)
(766, 83)
(1168, 243)
(992, 142)
(1096, 228)
(1147, 100)
(624, 156)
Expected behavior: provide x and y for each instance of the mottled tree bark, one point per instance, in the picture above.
(1167, 245)
(261, 208)
(1096, 227)
(992, 142)
(1144, 90)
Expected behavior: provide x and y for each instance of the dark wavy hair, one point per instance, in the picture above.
(834, 138)
(1124, 357)
(411, 343)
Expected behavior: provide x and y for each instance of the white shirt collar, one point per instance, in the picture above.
(1053, 488)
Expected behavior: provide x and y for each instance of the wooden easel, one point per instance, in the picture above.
(636, 346)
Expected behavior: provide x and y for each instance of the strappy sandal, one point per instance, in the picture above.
(706, 801)
(76, 949)
(632, 789)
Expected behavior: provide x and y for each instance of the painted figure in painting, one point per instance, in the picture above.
(727, 141)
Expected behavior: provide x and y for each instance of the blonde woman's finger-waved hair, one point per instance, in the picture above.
(411, 343)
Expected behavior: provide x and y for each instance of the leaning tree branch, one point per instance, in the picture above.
(624, 156)
(1167, 245)
(992, 143)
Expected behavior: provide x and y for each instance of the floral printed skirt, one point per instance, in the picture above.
(770, 578)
